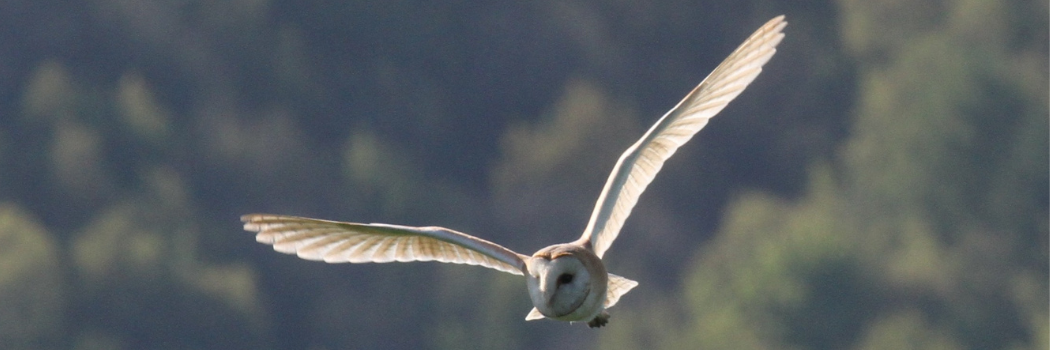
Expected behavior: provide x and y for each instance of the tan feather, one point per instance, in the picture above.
(618, 286)
(337, 242)
(639, 164)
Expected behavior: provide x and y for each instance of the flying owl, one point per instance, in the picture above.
(568, 281)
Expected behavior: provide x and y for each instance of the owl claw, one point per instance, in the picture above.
(600, 320)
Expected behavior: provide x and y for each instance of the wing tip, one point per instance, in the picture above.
(257, 217)
(778, 21)
(263, 238)
(259, 222)
(773, 30)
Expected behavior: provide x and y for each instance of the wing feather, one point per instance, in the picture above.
(618, 286)
(638, 166)
(337, 242)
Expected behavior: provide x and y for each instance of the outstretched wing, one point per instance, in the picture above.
(639, 164)
(338, 242)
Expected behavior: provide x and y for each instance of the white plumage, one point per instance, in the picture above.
(566, 281)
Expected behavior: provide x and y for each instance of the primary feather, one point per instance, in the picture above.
(639, 164)
(336, 242)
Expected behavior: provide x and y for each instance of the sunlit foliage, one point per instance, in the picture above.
(930, 232)
(882, 185)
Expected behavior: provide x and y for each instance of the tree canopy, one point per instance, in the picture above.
(882, 185)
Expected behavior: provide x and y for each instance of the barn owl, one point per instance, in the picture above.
(568, 281)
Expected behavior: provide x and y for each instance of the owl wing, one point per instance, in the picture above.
(338, 242)
(618, 286)
(638, 166)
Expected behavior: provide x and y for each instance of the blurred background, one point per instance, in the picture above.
(882, 185)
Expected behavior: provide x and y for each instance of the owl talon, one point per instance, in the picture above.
(600, 320)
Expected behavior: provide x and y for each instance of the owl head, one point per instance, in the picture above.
(567, 282)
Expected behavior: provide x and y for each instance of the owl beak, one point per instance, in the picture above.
(547, 294)
(540, 289)
(545, 288)
(542, 285)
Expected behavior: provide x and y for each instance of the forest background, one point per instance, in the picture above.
(882, 185)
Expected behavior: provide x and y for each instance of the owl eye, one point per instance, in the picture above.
(565, 278)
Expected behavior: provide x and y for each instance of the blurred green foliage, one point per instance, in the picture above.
(882, 185)
(929, 232)
(31, 284)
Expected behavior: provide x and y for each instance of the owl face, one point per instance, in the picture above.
(566, 284)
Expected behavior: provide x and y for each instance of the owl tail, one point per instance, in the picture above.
(618, 286)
